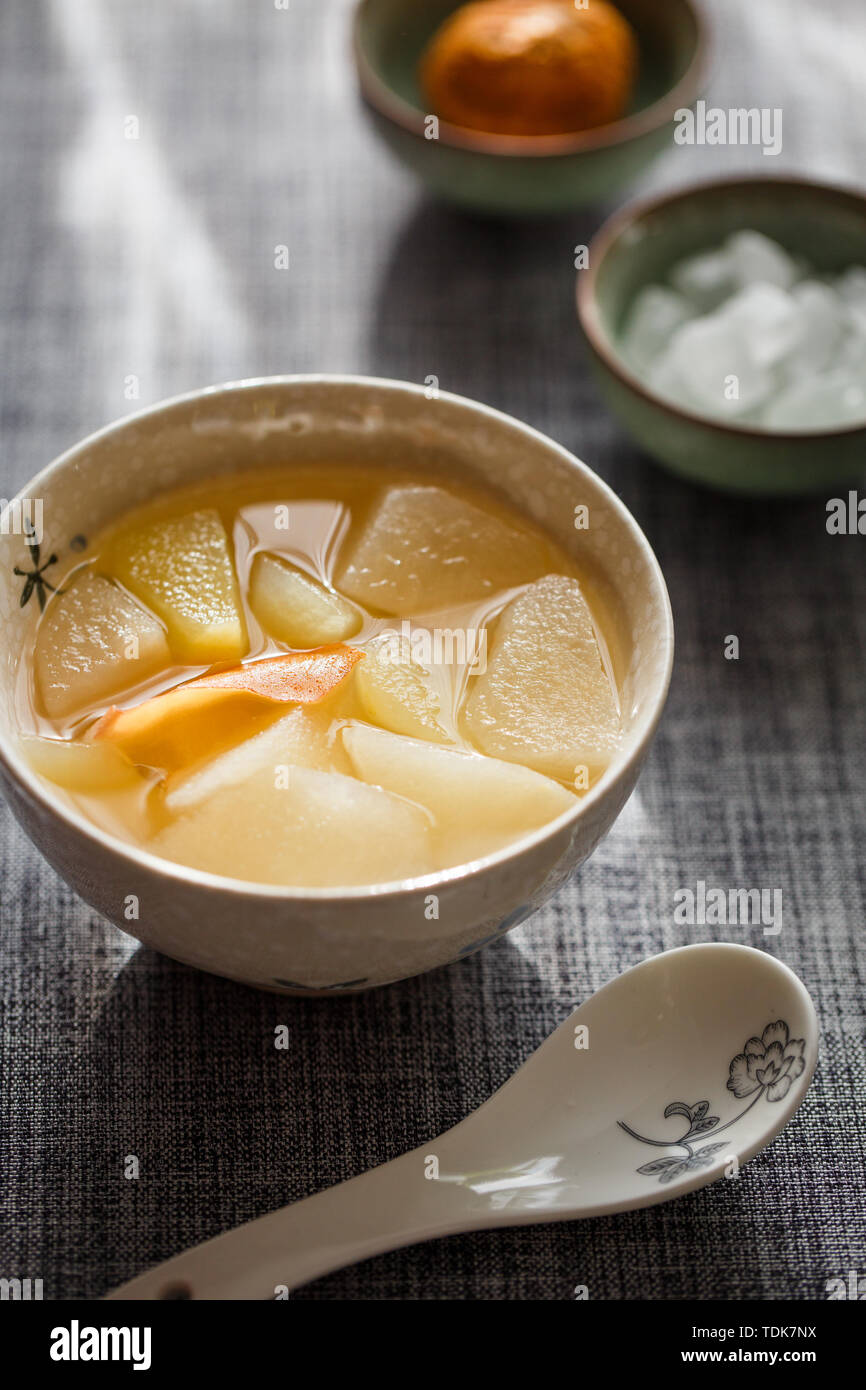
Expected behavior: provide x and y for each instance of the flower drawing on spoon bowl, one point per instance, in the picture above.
(767, 1066)
(769, 1063)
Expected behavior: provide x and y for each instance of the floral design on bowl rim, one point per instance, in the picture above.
(35, 581)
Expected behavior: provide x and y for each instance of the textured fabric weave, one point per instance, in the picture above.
(153, 260)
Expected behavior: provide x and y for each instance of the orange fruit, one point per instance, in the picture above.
(530, 67)
(205, 716)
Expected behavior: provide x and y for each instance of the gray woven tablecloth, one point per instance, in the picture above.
(153, 259)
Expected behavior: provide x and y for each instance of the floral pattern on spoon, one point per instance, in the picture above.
(767, 1066)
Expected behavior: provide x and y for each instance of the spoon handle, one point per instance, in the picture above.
(389, 1206)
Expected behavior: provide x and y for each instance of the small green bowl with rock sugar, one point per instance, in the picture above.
(758, 384)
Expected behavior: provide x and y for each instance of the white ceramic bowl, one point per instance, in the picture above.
(299, 940)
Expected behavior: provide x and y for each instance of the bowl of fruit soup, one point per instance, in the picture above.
(319, 682)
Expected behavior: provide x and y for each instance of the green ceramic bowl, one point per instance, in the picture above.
(639, 245)
(524, 174)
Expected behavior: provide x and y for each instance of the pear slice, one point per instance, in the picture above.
(545, 699)
(296, 609)
(301, 738)
(401, 694)
(302, 827)
(424, 548)
(79, 766)
(93, 641)
(182, 568)
(478, 804)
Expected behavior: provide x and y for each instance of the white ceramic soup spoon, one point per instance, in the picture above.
(668, 1078)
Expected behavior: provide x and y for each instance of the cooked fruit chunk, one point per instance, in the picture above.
(301, 738)
(303, 827)
(402, 695)
(301, 677)
(182, 569)
(205, 716)
(424, 549)
(478, 804)
(183, 727)
(93, 641)
(79, 766)
(296, 609)
(545, 699)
